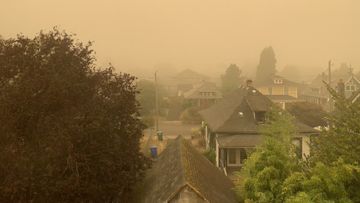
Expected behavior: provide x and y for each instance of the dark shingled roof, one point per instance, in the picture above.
(223, 117)
(239, 140)
(179, 166)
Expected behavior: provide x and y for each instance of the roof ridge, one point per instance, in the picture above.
(180, 141)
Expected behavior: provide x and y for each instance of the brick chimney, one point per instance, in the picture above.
(249, 83)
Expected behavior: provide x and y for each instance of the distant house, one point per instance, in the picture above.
(352, 85)
(182, 174)
(316, 95)
(186, 80)
(278, 85)
(283, 100)
(203, 95)
(232, 127)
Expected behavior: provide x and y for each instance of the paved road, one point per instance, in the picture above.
(171, 129)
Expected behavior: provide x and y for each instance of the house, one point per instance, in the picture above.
(316, 95)
(278, 85)
(232, 127)
(182, 174)
(187, 79)
(282, 100)
(203, 95)
(352, 85)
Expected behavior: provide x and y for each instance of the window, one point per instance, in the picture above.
(236, 157)
(278, 81)
(260, 116)
(232, 156)
(297, 142)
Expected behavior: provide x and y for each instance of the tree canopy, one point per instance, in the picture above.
(342, 139)
(267, 65)
(69, 132)
(231, 80)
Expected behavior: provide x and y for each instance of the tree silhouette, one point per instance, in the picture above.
(267, 65)
(231, 80)
(69, 132)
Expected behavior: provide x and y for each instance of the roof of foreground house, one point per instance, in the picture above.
(179, 166)
(235, 113)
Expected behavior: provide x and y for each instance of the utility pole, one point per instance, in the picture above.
(330, 97)
(156, 105)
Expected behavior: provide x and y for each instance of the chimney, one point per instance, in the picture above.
(341, 88)
(249, 83)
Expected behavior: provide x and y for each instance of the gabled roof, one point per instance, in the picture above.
(195, 93)
(224, 115)
(355, 97)
(188, 73)
(352, 78)
(235, 113)
(179, 166)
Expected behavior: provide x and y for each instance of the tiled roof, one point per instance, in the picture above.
(179, 166)
(239, 140)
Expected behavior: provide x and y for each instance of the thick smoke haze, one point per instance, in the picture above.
(138, 35)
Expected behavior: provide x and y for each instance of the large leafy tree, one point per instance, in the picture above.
(146, 97)
(267, 65)
(273, 161)
(342, 139)
(336, 182)
(231, 80)
(69, 132)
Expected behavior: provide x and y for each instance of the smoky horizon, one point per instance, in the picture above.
(206, 36)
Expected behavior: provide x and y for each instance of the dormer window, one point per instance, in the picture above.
(278, 81)
(260, 116)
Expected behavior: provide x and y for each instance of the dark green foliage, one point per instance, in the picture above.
(267, 65)
(310, 114)
(69, 132)
(231, 80)
(342, 140)
(338, 182)
(146, 97)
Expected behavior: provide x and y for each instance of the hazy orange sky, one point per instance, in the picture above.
(200, 34)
